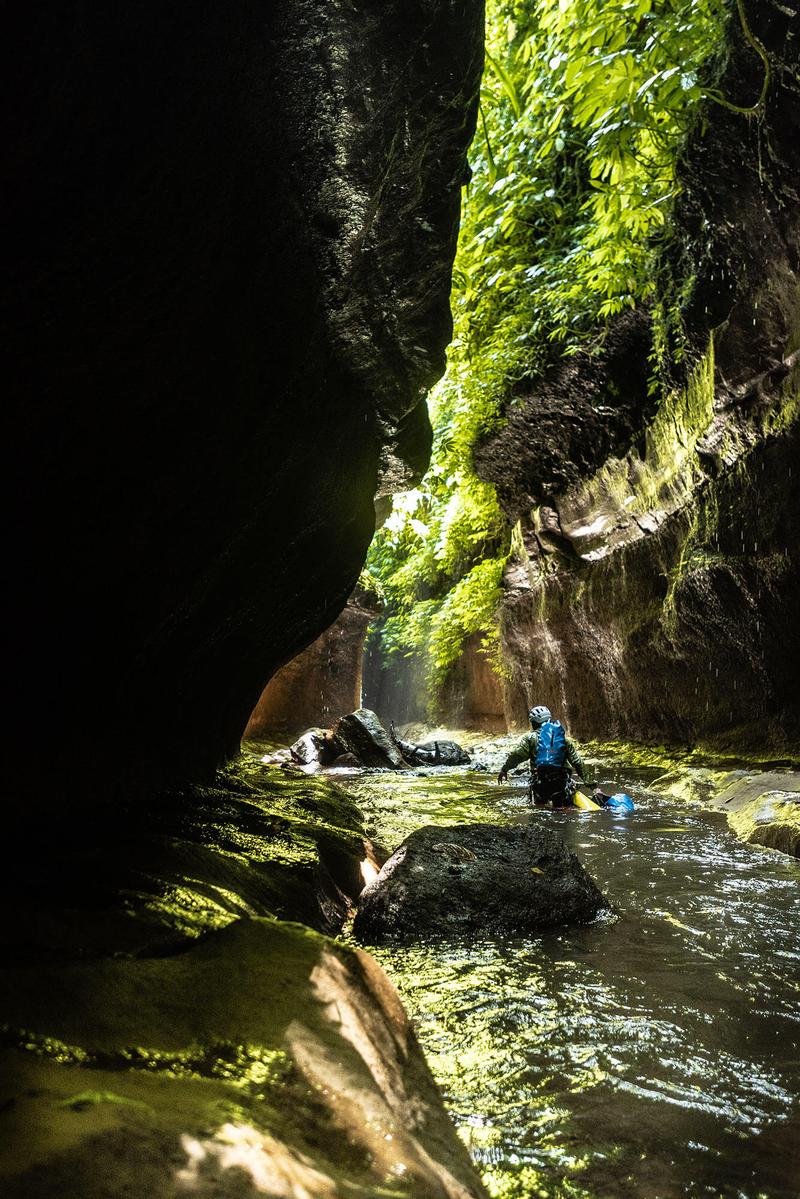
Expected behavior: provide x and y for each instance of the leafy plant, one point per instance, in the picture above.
(584, 110)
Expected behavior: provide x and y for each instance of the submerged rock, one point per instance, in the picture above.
(266, 1060)
(362, 734)
(477, 877)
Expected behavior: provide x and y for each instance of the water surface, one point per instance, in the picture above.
(652, 1055)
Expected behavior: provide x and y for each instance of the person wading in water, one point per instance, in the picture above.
(550, 753)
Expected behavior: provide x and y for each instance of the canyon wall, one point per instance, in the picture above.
(323, 682)
(653, 589)
(229, 236)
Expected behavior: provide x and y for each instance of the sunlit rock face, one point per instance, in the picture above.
(230, 232)
(323, 682)
(654, 587)
(298, 1077)
(762, 806)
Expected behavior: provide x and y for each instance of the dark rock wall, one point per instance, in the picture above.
(654, 589)
(229, 237)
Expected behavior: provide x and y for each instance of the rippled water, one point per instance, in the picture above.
(651, 1055)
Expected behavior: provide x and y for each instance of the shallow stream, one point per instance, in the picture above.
(652, 1055)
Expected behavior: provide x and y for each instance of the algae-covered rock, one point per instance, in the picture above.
(257, 843)
(265, 1060)
(694, 784)
(764, 809)
(477, 877)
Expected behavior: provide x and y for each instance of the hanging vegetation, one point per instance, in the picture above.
(585, 108)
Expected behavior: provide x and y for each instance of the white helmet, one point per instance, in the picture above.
(539, 715)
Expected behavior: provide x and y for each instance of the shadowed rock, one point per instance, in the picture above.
(362, 734)
(230, 233)
(477, 878)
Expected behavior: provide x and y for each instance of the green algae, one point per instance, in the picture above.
(248, 1067)
(265, 1034)
(702, 755)
(258, 842)
(86, 1099)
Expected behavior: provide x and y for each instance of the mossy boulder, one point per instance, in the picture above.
(265, 1060)
(259, 842)
(764, 809)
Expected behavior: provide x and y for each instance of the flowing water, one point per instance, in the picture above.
(651, 1055)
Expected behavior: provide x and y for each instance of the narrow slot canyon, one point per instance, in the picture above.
(402, 600)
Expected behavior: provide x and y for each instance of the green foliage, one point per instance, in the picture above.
(585, 108)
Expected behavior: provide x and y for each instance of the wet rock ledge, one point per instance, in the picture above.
(163, 1032)
(266, 1060)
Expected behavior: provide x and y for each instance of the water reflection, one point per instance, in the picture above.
(648, 1056)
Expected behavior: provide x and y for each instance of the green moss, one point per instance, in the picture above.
(772, 819)
(584, 113)
(265, 1035)
(671, 439)
(86, 1099)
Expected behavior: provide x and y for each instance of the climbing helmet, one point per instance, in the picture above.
(539, 715)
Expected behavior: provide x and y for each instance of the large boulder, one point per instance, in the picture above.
(362, 734)
(265, 1060)
(477, 877)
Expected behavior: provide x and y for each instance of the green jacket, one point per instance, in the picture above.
(526, 749)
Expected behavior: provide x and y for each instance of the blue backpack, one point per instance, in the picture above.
(551, 749)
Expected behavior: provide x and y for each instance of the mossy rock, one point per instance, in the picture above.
(258, 843)
(764, 809)
(266, 1059)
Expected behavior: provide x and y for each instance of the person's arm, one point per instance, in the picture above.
(575, 760)
(519, 753)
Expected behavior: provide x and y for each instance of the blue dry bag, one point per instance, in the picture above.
(620, 803)
(551, 749)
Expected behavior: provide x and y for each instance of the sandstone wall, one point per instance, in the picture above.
(322, 683)
(475, 695)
